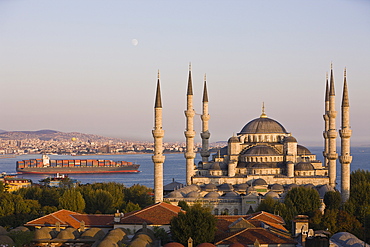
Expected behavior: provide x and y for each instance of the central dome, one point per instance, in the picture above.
(263, 125)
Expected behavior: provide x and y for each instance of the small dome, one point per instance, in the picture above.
(259, 182)
(210, 187)
(225, 187)
(251, 189)
(309, 186)
(301, 150)
(93, 233)
(174, 194)
(242, 187)
(6, 240)
(272, 194)
(233, 139)
(289, 139)
(261, 150)
(263, 125)
(304, 166)
(20, 229)
(107, 242)
(215, 166)
(3, 231)
(277, 187)
(193, 194)
(42, 234)
(173, 244)
(231, 194)
(68, 233)
(212, 194)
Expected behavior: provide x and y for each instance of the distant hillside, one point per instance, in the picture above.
(2, 131)
(47, 135)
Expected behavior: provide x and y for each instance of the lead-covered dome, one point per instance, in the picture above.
(261, 150)
(263, 125)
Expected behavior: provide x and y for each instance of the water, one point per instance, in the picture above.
(174, 167)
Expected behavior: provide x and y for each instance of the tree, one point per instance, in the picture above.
(139, 194)
(197, 223)
(183, 205)
(268, 204)
(332, 200)
(302, 200)
(72, 200)
(130, 207)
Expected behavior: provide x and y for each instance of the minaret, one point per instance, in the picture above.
(205, 132)
(189, 133)
(326, 120)
(158, 158)
(332, 155)
(345, 134)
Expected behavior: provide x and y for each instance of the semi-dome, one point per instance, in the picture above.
(301, 150)
(289, 139)
(259, 182)
(215, 166)
(304, 166)
(242, 187)
(263, 125)
(261, 150)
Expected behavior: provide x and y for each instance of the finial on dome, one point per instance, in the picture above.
(263, 115)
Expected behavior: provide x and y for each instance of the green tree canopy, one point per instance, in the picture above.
(197, 223)
(72, 200)
(302, 200)
(332, 200)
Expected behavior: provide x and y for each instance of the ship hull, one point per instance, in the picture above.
(47, 166)
(90, 170)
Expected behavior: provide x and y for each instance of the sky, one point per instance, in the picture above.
(91, 66)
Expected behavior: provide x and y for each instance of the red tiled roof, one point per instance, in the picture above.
(73, 219)
(63, 216)
(249, 236)
(157, 214)
(266, 217)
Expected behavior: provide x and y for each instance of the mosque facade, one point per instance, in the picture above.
(263, 159)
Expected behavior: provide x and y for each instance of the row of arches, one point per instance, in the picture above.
(225, 211)
(262, 138)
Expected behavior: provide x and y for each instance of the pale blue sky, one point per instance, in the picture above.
(71, 65)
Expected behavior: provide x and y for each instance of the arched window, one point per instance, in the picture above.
(226, 211)
(236, 212)
(216, 211)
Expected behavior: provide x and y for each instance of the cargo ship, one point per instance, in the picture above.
(73, 166)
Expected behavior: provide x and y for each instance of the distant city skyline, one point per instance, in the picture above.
(91, 66)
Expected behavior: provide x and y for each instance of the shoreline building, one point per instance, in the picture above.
(262, 159)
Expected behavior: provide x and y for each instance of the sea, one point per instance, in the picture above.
(173, 168)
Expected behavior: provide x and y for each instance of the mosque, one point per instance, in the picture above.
(263, 159)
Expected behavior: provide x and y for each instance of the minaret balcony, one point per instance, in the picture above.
(205, 135)
(189, 113)
(205, 117)
(332, 134)
(189, 134)
(345, 159)
(189, 155)
(332, 156)
(158, 158)
(325, 135)
(332, 114)
(159, 133)
(326, 117)
(345, 133)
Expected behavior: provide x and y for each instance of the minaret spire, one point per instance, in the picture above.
(326, 121)
(263, 114)
(158, 134)
(205, 135)
(345, 135)
(189, 132)
(332, 155)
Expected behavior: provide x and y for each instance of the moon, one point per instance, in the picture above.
(134, 42)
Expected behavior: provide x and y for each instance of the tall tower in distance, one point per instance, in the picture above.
(326, 121)
(205, 131)
(345, 134)
(158, 158)
(189, 132)
(332, 155)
